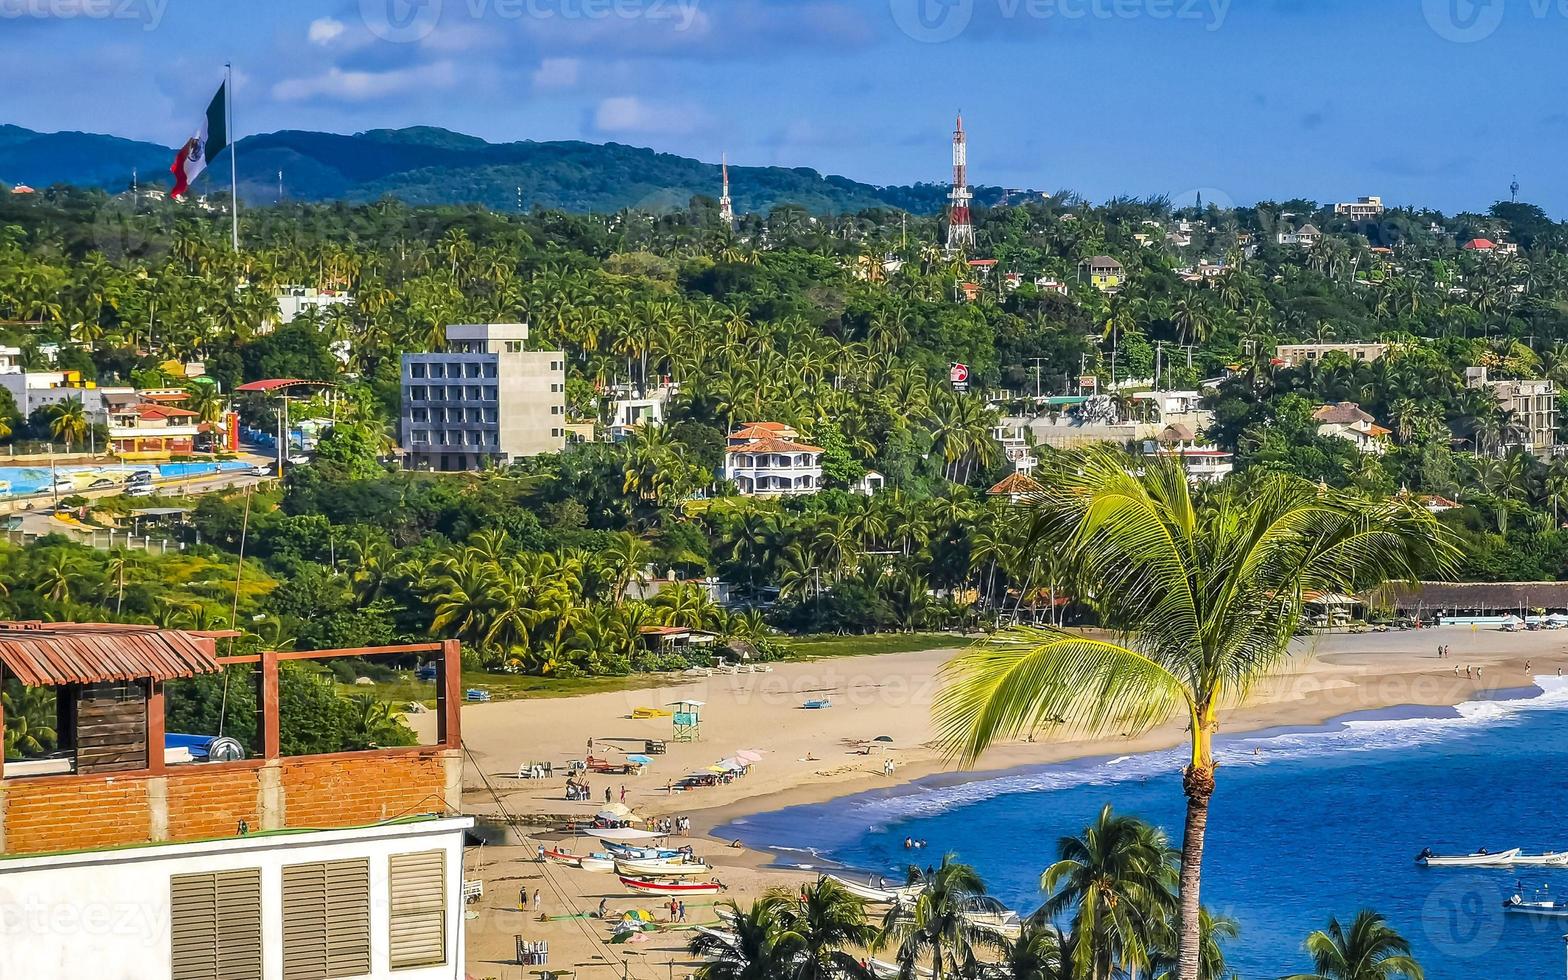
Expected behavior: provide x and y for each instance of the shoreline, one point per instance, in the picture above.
(818, 756)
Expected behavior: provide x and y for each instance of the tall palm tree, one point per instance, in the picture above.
(935, 928)
(823, 925)
(1117, 881)
(1203, 598)
(753, 949)
(1039, 952)
(68, 422)
(1370, 950)
(1215, 929)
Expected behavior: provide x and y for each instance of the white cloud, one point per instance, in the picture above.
(325, 30)
(365, 86)
(557, 73)
(630, 114)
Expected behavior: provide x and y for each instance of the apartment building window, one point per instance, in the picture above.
(556, 409)
(417, 393)
(557, 365)
(215, 925)
(416, 370)
(473, 370)
(418, 907)
(421, 437)
(491, 393)
(557, 433)
(489, 370)
(421, 415)
(454, 370)
(436, 371)
(514, 346)
(490, 415)
(326, 920)
(556, 389)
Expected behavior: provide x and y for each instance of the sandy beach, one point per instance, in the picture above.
(813, 755)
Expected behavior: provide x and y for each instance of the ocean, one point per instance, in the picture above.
(1306, 823)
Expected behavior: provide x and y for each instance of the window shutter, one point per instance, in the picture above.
(418, 893)
(326, 920)
(215, 925)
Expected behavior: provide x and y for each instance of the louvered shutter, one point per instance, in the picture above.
(326, 920)
(215, 925)
(418, 887)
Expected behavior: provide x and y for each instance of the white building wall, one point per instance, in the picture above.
(105, 915)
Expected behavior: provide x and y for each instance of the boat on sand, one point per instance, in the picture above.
(672, 887)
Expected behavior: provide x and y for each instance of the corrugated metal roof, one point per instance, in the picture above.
(53, 654)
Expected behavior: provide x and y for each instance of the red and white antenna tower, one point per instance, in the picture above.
(960, 229)
(726, 207)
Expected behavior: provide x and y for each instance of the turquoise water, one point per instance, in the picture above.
(1318, 822)
(34, 479)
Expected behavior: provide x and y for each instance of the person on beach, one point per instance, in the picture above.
(607, 794)
(604, 904)
(522, 900)
(537, 906)
(623, 792)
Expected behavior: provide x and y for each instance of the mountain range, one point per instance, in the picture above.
(426, 165)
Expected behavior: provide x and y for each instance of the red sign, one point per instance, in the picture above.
(958, 374)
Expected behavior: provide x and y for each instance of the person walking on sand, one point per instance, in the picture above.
(537, 906)
(522, 900)
(607, 794)
(623, 792)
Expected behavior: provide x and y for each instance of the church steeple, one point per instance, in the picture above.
(726, 207)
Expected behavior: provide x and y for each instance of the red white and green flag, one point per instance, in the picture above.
(205, 146)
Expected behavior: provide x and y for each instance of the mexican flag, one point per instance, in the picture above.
(204, 147)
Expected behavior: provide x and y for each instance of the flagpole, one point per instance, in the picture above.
(234, 144)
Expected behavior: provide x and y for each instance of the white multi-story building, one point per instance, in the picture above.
(1203, 464)
(486, 399)
(1361, 209)
(762, 461)
(1347, 420)
(1532, 404)
(294, 300)
(1295, 355)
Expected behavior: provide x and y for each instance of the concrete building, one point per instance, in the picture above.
(1361, 209)
(144, 853)
(484, 401)
(1202, 464)
(32, 390)
(294, 300)
(1295, 355)
(1103, 273)
(1533, 405)
(1346, 420)
(152, 431)
(762, 461)
(1306, 236)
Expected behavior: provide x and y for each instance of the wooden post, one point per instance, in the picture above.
(269, 705)
(155, 726)
(449, 695)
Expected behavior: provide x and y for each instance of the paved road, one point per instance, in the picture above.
(39, 521)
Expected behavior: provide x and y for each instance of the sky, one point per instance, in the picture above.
(1438, 103)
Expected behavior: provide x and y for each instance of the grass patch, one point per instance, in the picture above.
(833, 645)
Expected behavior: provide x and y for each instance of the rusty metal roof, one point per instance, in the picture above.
(53, 654)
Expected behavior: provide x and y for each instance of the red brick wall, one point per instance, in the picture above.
(329, 792)
(202, 801)
(61, 815)
(212, 804)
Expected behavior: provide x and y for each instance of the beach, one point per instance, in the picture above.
(812, 755)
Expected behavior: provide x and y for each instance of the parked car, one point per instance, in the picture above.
(140, 490)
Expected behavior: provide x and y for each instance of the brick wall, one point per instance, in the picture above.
(199, 801)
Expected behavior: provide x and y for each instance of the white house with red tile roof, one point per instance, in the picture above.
(763, 461)
(1203, 464)
(1346, 420)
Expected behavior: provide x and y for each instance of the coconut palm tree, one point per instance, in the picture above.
(1039, 953)
(753, 949)
(1117, 881)
(1216, 929)
(29, 720)
(934, 929)
(68, 422)
(1203, 598)
(1370, 949)
(822, 925)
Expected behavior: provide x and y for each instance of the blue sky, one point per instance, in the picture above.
(1436, 102)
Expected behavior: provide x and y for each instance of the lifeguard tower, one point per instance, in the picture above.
(688, 720)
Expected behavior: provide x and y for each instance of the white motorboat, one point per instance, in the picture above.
(600, 864)
(1536, 906)
(871, 893)
(1003, 922)
(1480, 859)
(1551, 859)
(663, 869)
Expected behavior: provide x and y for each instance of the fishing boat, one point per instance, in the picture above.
(1539, 905)
(1002, 921)
(664, 869)
(1480, 859)
(885, 896)
(595, 862)
(816, 703)
(625, 853)
(563, 857)
(1551, 859)
(672, 887)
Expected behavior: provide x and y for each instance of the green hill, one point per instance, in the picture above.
(428, 165)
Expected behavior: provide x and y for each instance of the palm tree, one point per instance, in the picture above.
(1118, 882)
(68, 422)
(1039, 953)
(1203, 599)
(752, 950)
(1211, 960)
(29, 721)
(1370, 950)
(822, 925)
(935, 928)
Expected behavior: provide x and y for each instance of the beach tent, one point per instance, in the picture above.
(640, 760)
(624, 834)
(749, 755)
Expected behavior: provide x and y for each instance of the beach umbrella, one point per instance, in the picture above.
(883, 738)
(749, 755)
(641, 760)
(721, 770)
